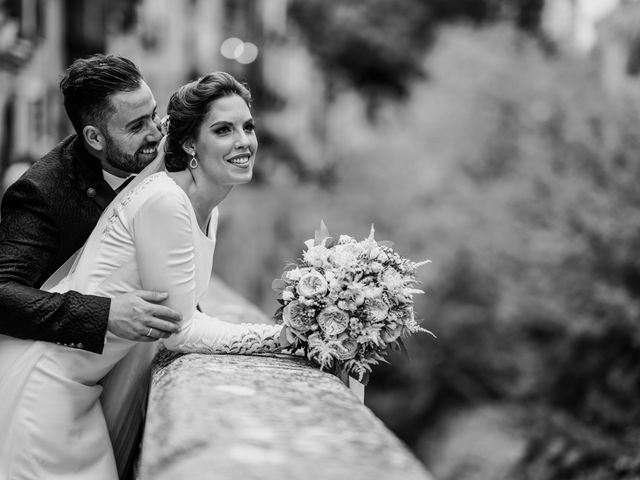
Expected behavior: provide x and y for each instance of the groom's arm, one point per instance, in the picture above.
(29, 242)
(29, 254)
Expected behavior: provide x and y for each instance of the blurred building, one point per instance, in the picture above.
(173, 41)
(31, 60)
(572, 23)
(605, 31)
(618, 49)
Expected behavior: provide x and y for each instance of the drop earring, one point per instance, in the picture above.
(193, 163)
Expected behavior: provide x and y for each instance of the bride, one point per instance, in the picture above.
(158, 234)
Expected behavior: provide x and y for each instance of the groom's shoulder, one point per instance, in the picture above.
(54, 166)
(58, 159)
(49, 177)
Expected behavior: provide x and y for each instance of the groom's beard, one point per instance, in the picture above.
(122, 160)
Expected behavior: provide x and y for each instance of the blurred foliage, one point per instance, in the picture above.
(540, 304)
(377, 46)
(516, 174)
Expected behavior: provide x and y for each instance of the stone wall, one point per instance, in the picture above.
(262, 417)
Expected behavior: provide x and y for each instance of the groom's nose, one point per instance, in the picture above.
(154, 134)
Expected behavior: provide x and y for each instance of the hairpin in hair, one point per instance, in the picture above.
(164, 124)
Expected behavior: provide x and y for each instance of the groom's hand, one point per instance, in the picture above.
(138, 316)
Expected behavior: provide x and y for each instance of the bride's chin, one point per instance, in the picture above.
(245, 180)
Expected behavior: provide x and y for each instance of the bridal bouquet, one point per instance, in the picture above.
(346, 301)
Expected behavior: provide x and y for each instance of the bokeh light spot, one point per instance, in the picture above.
(248, 54)
(230, 47)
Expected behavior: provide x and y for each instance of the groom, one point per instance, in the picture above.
(50, 211)
(48, 214)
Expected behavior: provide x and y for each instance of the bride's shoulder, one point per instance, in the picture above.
(156, 188)
(157, 195)
(158, 183)
(155, 180)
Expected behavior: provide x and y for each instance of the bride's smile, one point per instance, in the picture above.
(242, 160)
(226, 144)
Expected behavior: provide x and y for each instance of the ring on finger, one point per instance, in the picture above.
(149, 332)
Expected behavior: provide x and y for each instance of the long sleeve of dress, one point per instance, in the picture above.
(166, 256)
(205, 334)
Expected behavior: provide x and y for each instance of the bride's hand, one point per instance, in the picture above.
(138, 316)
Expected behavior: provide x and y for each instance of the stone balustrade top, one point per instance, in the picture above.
(263, 417)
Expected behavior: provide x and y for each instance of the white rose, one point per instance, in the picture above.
(346, 255)
(296, 316)
(333, 321)
(316, 256)
(377, 309)
(312, 284)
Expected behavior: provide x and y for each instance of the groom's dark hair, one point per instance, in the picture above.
(88, 84)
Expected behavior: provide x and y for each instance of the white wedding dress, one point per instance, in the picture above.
(52, 424)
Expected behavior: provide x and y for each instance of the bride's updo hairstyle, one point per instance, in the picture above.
(188, 108)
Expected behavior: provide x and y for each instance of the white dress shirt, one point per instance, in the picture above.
(114, 181)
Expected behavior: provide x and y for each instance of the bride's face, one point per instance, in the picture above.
(226, 144)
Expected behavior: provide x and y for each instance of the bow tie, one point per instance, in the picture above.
(125, 183)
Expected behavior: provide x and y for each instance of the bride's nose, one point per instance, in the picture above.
(242, 141)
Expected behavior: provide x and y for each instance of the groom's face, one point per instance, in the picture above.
(132, 132)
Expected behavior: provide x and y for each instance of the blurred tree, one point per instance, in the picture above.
(538, 303)
(378, 46)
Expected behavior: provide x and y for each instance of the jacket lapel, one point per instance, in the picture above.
(90, 179)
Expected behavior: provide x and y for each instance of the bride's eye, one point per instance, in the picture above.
(222, 130)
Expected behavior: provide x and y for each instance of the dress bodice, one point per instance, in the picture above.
(151, 241)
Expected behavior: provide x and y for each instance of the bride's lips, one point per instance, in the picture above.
(242, 160)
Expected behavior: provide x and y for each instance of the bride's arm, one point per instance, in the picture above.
(205, 334)
(165, 254)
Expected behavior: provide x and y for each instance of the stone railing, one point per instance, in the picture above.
(261, 417)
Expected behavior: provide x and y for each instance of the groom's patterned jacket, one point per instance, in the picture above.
(45, 217)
